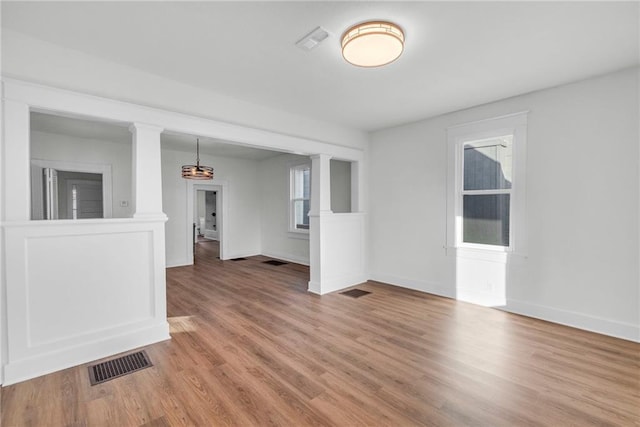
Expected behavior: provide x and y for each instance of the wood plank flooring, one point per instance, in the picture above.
(250, 346)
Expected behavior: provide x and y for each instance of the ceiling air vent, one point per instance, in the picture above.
(313, 39)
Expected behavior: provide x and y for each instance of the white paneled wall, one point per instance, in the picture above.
(78, 291)
(56, 270)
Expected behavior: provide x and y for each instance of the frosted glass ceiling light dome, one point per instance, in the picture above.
(372, 44)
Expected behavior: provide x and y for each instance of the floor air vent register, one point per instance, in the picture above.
(118, 367)
(274, 262)
(355, 293)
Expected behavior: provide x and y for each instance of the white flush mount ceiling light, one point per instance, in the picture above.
(372, 44)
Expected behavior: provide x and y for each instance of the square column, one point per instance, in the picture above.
(320, 207)
(16, 162)
(147, 171)
(320, 184)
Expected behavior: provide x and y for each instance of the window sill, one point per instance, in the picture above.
(489, 253)
(299, 234)
(484, 248)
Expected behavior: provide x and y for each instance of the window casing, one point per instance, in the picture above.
(300, 198)
(485, 202)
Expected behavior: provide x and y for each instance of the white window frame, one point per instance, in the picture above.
(292, 200)
(460, 135)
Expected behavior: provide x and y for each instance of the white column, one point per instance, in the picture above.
(16, 162)
(147, 171)
(357, 190)
(320, 184)
(320, 206)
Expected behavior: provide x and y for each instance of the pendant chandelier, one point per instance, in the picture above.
(196, 171)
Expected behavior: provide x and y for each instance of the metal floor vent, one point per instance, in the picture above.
(355, 293)
(118, 367)
(274, 262)
(238, 259)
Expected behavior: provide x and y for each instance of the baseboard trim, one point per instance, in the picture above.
(290, 258)
(314, 288)
(177, 263)
(614, 328)
(416, 285)
(336, 284)
(46, 363)
(241, 255)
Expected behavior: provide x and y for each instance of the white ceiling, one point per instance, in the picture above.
(458, 54)
(119, 132)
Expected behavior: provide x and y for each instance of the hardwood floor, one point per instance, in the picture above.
(250, 346)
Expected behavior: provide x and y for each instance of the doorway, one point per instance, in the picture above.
(206, 216)
(205, 213)
(64, 190)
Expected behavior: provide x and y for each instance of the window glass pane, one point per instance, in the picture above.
(486, 219)
(306, 186)
(301, 213)
(488, 164)
(298, 182)
(302, 183)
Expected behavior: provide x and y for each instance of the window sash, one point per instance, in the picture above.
(296, 198)
(471, 133)
(461, 192)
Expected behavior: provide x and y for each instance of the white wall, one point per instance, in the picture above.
(340, 186)
(242, 199)
(34, 60)
(581, 262)
(277, 241)
(80, 291)
(52, 146)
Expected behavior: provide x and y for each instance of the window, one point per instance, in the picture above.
(300, 198)
(486, 191)
(486, 199)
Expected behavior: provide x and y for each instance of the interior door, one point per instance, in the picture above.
(51, 192)
(84, 199)
(37, 192)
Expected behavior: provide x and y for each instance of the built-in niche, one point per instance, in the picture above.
(340, 186)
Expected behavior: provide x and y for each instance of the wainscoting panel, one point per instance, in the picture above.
(338, 240)
(82, 290)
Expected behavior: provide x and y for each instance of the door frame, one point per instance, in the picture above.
(103, 169)
(220, 187)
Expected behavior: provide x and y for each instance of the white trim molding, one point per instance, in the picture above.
(457, 136)
(222, 209)
(627, 331)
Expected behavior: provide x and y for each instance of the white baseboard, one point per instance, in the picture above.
(181, 262)
(46, 363)
(177, 263)
(241, 255)
(314, 288)
(336, 284)
(614, 328)
(416, 285)
(288, 257)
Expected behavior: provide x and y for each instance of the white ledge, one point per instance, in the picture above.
(75, 222)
